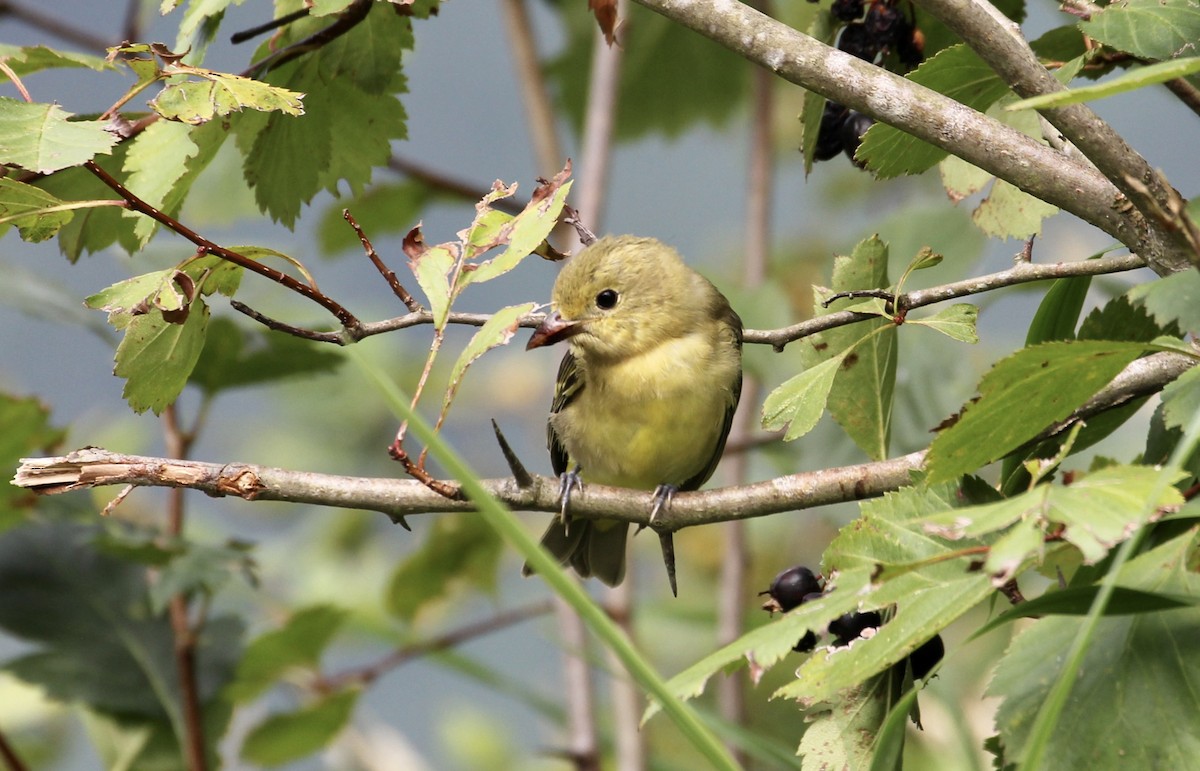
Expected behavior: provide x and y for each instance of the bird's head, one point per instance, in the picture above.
(624, 295)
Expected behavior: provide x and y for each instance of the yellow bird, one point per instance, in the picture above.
(645, 393)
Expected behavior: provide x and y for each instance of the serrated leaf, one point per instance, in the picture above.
(957, 72)
(860, 399)
(37, 214)
(156, 357)
(432, 268)
(799, 402)
(39, 137)
(27, 431)
(529, 229)
(1120, 319)
(290, 736)
(157, 159)
(1139, 77)
(1137, 680)
(1148, 29)
(956, 321)
(299, 643)
(1021, 396)
(843, 737)
(961, 179)
(1096, 512)
(1181, 399)
(1174, 298)
(23, 60)
(218, 94)
(1077, 601)
(496, 331)
(460, 549)
(1009, 212)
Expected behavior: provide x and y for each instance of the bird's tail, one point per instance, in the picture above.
(592, 548)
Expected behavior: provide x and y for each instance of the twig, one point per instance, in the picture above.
(368, 674)
(8, 754)
(1186, 92)
(1166, 241)
(347, 20)
(388, 274)
(445, 183)
(95, 467)
(132, 28)
(347, 319)
(598, 121)
(253, 32)
(937, 119)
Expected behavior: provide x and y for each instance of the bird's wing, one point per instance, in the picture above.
(695, 482)
(566, 387)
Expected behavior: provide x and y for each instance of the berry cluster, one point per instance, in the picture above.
(798, 585)
(883, 29)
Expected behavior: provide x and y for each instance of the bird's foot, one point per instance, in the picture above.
(662, 500)
(570, 480)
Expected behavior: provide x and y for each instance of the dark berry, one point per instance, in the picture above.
(806, 644)
(909, 44)
(856, 41)
(851, 625)
(847, 10)
(852, 129)
(829, 135)
(791, 587)
(927, 656)
(882, 21)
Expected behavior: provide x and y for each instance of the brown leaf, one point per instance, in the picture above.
(414, 243)
(605, 12)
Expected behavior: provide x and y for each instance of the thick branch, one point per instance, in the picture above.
(1168, 239)
(926, 114)
(95, 467)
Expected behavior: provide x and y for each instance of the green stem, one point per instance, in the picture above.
(502, 520)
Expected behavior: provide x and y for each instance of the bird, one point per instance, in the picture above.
(645, 393)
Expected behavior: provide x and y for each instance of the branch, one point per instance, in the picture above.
(937, 119)
(53, 26)
(96, 467)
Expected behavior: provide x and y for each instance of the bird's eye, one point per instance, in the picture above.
(607, 299)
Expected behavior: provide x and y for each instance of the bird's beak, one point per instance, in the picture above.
(553, 330)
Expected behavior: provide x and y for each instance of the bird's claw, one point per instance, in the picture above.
(570, 480)
(662, 501)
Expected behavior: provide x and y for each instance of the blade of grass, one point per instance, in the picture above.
(510, 529)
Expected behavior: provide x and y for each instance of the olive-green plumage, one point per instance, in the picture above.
(647, 390)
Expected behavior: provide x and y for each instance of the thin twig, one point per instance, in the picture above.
(438, 180)
(388, 274)
(57, 27)
(347, 319)
(12, 761)
(535, 96)
(347, 20)
(265, 27)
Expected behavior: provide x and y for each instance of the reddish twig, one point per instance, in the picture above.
(8, 754)
(388, 274)
(418, 472)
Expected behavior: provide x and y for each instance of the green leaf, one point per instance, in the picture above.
(844, 736)
(290, 736)
(40, 138)
(27, 431)
(23, 60)
(799, 402)
(158, 158)
(957, 72)
(1148, 29)
(496, 331)
(1119, 319)
(1009, 212)
(459, 550)
(529, 229)
(1174, 298)
(1138, 678)
(299, 643)
(1181, 399)
(1140, 77)
(1058, 313)
(156, 357)
(1077, 601)
(432, 268)
(956, 321)
(1096, 512)
(37, 214)
(233, 358)
(198, 568)
(91, 230)
(1021, 396)
(860, 399)
(822, 29)
(217, 94)
(94, 643)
